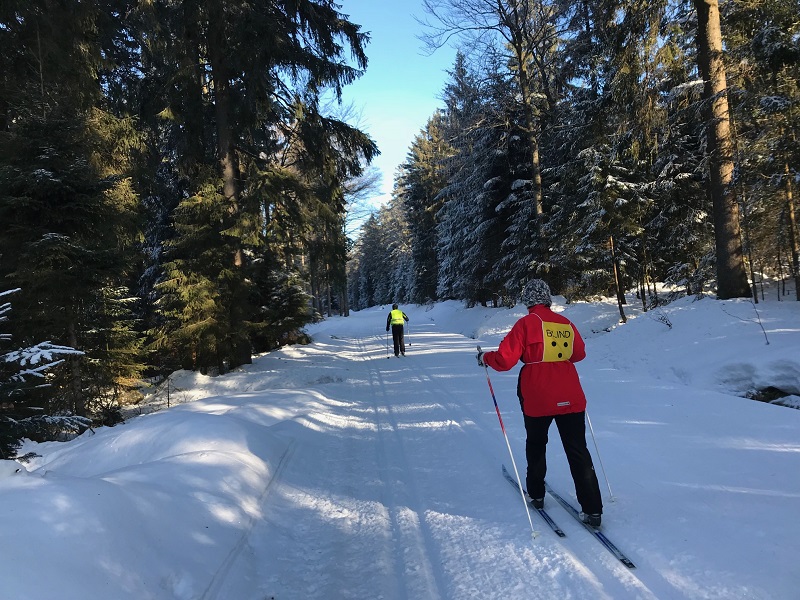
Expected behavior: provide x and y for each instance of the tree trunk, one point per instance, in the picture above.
(644, 272)
(226, 151)
(793, 233)
(617, 281)
(193, 72)
(749, 246)
(530, 128)
(241, 351)
(316, 304)
(731, 273)
(227, 157)
(642, 291)
(4, 102)
(78, 401)
(522, 56)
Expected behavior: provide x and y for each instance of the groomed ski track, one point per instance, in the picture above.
(398, 495)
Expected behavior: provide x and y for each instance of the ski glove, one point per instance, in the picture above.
(480, 359)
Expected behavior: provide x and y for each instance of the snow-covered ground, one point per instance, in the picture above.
(330, 471)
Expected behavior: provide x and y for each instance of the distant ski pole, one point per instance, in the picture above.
(599, 458)
(534, 533)
(387, 344)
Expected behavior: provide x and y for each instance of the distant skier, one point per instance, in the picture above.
(396, 319)
(549, 389)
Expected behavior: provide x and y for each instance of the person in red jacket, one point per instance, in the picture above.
(549, 389)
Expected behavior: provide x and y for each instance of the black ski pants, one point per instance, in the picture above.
(572, 429)
(398, 339)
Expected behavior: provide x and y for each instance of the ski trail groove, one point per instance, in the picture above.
(221, 573)
(411, 534)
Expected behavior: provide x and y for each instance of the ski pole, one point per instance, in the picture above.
(387, 344)
(534, 533)
(602, 468)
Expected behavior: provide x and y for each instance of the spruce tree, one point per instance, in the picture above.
(765, 65)
(524, 35)
(237, 91)
(68, 212)
(419, 183)
(21, 370)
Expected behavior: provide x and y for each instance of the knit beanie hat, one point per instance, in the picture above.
(535, 292)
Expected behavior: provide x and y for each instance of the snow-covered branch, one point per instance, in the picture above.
(43, 352)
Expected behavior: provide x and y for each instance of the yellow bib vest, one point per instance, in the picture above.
(397, 317)
(557, 338)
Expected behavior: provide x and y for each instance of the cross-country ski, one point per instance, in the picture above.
(542, 512)
(601, 537)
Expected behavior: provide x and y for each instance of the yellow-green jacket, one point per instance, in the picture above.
(395, 317)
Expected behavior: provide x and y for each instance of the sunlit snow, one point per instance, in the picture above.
(337, 471)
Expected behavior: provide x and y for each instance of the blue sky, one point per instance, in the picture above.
(402, 86)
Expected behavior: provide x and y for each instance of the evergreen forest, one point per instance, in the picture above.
(176, 176)
(602, 146)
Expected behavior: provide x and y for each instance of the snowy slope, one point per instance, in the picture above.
(333, 472)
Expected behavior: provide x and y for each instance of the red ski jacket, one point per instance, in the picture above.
(548, 345)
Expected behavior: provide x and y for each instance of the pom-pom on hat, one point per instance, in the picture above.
(535, 292)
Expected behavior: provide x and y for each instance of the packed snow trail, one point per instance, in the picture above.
(381, 502)
(328, 471)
